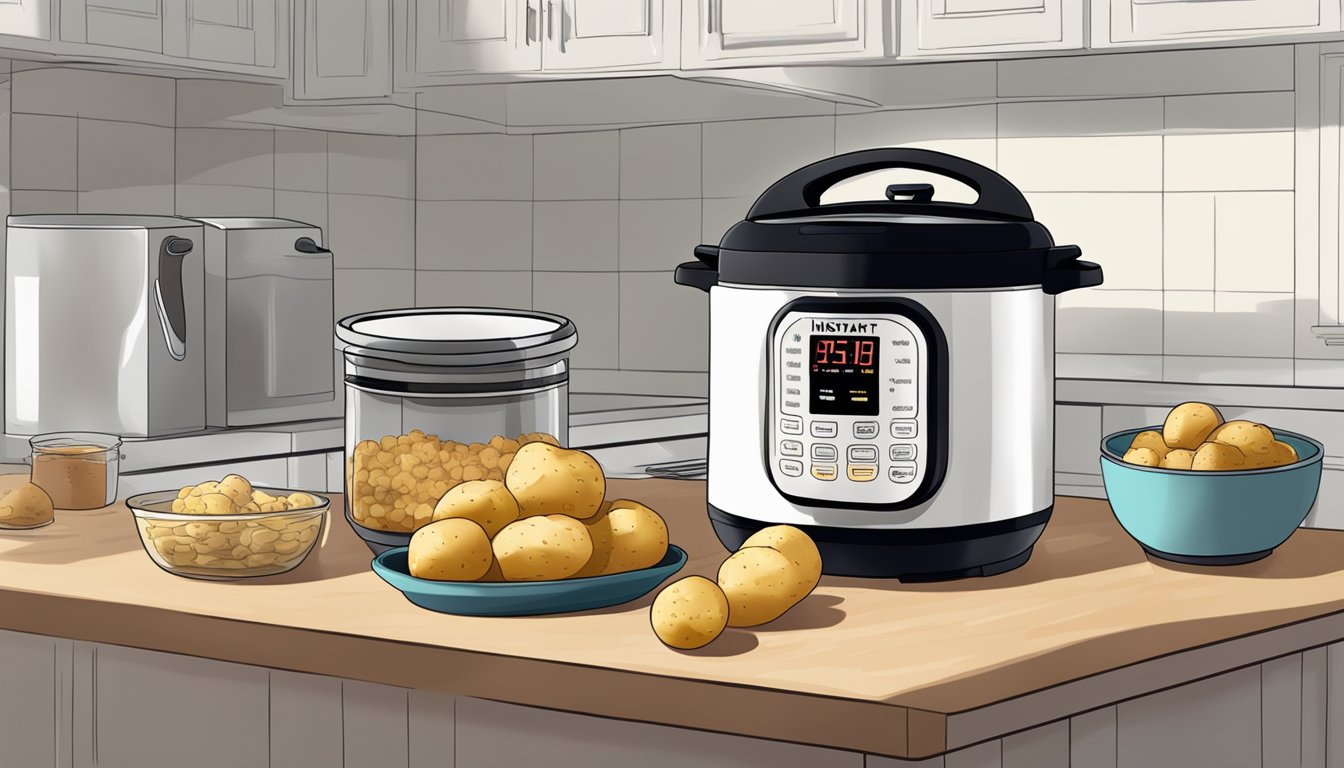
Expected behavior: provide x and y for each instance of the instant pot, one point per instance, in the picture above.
(882, 372)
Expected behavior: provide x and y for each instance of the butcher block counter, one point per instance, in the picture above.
(1040, 659)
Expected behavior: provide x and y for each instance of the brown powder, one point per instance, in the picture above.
(74, 476)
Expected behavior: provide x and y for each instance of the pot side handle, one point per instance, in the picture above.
(1065, 272)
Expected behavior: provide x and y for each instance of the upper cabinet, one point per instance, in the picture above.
(960, 27)
(455, 37)
(735, 32)
(1147, 22)
(612, 34)
(342, 49)
(30, 19)
(242, 33)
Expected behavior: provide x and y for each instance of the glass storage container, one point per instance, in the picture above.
(435, 397)
(78, 470)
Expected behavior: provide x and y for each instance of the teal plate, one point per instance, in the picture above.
(524, 598)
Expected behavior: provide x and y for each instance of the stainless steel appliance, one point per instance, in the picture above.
(104, 325)
(270, 354)
(882, 373)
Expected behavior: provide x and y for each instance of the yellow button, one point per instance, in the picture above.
(862, 473)
(824, 471)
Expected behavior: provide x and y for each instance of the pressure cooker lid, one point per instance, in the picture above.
(469, 335)
(910, 240)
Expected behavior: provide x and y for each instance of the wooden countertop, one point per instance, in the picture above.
(873, 666)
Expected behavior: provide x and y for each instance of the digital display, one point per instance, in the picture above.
(844, 376)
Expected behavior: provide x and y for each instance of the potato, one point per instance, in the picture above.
(793, 544)
(627, 537)
(1278, 455)
(761, 584)
(1188, 425)
(237, 488)
(1247, 436)
(1178, 458)
(547, 480)
(1150, 439)
(26, 506)
(1145, 457)
(689, 613)
(1218, 457)
(542, 548)
(449, 550)
(486, 502)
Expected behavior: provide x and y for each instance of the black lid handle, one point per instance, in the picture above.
(918, 193)
(800, 192)
(306, 245)
(1064, 271)
(696, 274)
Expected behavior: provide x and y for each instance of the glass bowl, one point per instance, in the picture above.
(227, 546)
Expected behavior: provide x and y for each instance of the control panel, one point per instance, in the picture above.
(849, 406)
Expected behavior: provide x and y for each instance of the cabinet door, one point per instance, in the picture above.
(343, 49)
(25, 18)
(721, 31)
(1120, 22)
(467, 36)
(625, 34)
(136, 25)
(230, 31)
(942, 27)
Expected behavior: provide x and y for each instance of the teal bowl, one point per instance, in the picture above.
(1211, 518)
(524, 598)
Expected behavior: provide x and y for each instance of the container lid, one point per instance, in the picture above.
(909, 240)
(471, 335)
(97, 221)
(250, 222)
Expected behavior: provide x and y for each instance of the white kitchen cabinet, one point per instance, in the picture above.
(946, 27)
(1146, 22)
(342, 49)
(244, 33)
(456, 37)
(729, 32)
(612, 34)
(29, 19)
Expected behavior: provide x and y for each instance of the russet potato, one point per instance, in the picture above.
(1145, 457)
(549, 480)
(455, 549)
(1188, 425)
(626, 536)
(1152, 440)
(1218, 456)
(793, 544)
(542, 548)
(27, 506)
(1247, 436)
(1279, 454)
(1178, 458)
(486, 502)
(761, 584)
(689, 613)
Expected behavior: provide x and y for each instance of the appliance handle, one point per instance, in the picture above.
(169, 295)
(1065, 272)
(696, 274)
(309, 247)
(800, 192)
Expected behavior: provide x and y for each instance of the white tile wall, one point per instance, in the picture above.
(1253, 240)
(580, 235)
(1110, 322)
(1083, 164)
(371, 231)
(743, 157)
(657, 235)
(1187, 241)
(371, 165)
(49, 156)
(577, 166)
(473, 234)
(1231, 161)
(226, 157)
(660, 162)
(1121, 231)
(475, 167)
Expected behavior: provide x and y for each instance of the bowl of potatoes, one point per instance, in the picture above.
(228, 529)
(1201, 490)
(544, 539)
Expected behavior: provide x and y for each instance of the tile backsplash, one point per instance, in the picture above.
(1188, 200)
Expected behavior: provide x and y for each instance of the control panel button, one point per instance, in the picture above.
(862, 473)
(791, 425)
(902, 452)
(865, 430)
(824, 452)
(904, 428)
(824, 429)
(790, 467)
(901, 473)
(863, 454)
(790, 448)
(824, 471)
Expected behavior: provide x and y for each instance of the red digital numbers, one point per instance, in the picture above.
(858, 352)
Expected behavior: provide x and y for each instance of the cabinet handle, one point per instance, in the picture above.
(711, 8)
(532, 30)
(565, 24)
(550, 20)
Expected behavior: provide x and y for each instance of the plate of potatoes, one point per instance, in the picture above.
(544, 539)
